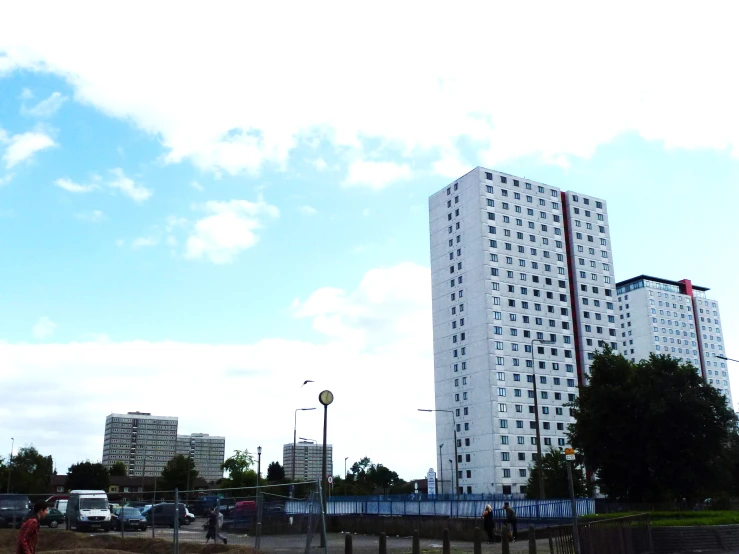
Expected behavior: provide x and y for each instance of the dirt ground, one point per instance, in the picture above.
(58, 541)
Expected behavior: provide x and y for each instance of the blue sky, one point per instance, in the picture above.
(209, 223)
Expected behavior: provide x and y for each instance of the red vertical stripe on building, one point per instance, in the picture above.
(573, 296)
(687, 287)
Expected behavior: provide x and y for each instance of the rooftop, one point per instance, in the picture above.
(658, 280)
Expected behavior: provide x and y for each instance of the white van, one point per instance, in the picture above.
(61, 505)
(88, 510)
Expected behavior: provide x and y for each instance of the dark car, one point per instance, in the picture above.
(14, 508)
(164, 514)
(53, 518)
(130, 518)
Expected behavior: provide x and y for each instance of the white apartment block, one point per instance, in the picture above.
(145, 443)
(513, 262)
(308, 460)
(675, 318)
(206, 451)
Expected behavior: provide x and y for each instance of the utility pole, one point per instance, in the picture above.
(569, 457)
(325, 398)
(10, 461)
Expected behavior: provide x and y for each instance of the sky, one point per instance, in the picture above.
(201, 207)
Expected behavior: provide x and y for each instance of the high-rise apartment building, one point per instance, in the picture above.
(523, 289)
(207, 452)
(677, 318)
(145, 443)
(308, 460)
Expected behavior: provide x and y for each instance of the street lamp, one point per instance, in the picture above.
(345, 473)
(10, 461)
(314, 441)
(295, 432)
(441, 470)
(456, 464)
(259, 503)
(722, 357)
(542, 496)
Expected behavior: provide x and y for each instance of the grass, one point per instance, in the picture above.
(674, 519)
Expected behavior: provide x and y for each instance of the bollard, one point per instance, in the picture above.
(416, 542)
(504, 547)
(446, 548)
(551, 541)
(532, 540)
(347, 544)
(383, 543)
(477, 547)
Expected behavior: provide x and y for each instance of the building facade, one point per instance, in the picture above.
(207, 452)
(522, 289)
(145, 443)
(676, 318)
(308, 460)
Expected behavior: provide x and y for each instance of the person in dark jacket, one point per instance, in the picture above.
(28, 534)
(487, 522)
(510, 519)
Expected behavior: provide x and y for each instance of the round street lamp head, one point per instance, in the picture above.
(326, 397)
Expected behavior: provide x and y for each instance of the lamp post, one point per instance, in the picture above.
(295, 433)
(326, 397)
(314, 441)
(257, 539)
(456, 458)
(10, 461)
(441, 471)
(542, 496)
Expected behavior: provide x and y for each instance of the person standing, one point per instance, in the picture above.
(487, 522)
(210, 526)
(219, 524)
(510, 519)
(28, 534)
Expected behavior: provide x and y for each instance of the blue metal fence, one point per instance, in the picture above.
(423, 505)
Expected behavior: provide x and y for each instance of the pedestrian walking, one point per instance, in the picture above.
(28, 534)
(510, 519)
(487, 522)
(219, 525)
(209, 526)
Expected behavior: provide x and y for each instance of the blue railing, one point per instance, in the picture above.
(423, 505)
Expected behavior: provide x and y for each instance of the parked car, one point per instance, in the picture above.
(189, 515)
(53, 518)
(13, 509)
(130, 518)
(164, 514)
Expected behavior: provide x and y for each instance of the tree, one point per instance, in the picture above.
(239, 470)
(556, 483)
(366, 477)
(30, 471)
(275, 472)
(118, 469)
(175, 473)
(86, 475)
(653, 430)
(381, 477)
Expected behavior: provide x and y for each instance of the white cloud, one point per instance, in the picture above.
(450, 164)
(143, 242)
(26, 94)
(543, 96)
(71, 186)
(197, 186)
(95, 216)
(384, 368)
(128, 187)
(22, 147)
(4, 180)
(307, 210)
(376, 175)
(47, 107)
(44, 328)
(320, 164)
(229, 228)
